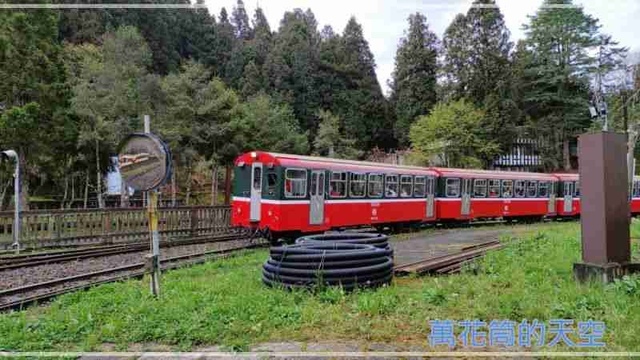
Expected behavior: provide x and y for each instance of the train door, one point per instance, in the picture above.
(431, 189)
(465, 209)
(256, 191)
(551, 207)
(568, 196)
(316, 208)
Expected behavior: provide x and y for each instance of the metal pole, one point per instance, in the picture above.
(155, 243)
(16, 193)
(152, 205)
(16, 219)
(147, 130)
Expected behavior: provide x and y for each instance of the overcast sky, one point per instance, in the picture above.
(384, 21)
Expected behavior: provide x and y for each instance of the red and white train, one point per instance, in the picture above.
(285, 195)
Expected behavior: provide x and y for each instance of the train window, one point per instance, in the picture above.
(453, 188)
(494, 188)
(406, 185)
(507, 188)
(391, 188)
(568, 188)
(532, 188)
(420, 187)
(322, 184)
(577, 189)
(636, 188)
(479, 188)
(375, 185)
(257, 178)
(272, 182)
(519, 188)
(357, 185)
(313, 186)
(338, 185)
(543, 189)
(295, 183)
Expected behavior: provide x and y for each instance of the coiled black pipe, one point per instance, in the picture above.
(312, 264)
(377, 240)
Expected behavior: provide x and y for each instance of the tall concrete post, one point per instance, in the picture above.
(604, 202)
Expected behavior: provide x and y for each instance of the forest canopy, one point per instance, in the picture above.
(75, 82)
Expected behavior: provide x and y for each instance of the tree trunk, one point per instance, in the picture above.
(566, 157)
(98, 177)
(214, 184)
(173, 189)
(24, 184)
(73, 191)
(188, 194)
(4, 193)
(66, 191)
(86, 189)
(227, 185)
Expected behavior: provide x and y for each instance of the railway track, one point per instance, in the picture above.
(450, 263)
(29, 260)
(19, 297)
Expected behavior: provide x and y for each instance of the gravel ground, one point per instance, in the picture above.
(443, 242)
(36, 274)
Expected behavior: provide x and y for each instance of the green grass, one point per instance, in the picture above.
(225, 303)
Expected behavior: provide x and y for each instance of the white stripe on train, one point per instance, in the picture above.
(374, 201)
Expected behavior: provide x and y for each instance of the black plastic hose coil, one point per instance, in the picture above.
(377, 240)
(312, 263)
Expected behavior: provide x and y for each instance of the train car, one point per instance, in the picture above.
(480, 194)
(284, 195)
(568, 196)
(635, 196)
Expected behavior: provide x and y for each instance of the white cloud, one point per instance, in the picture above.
(384, 21)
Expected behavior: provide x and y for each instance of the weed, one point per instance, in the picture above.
(225, 303)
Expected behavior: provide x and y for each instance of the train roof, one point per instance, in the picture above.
(489, 174)
(304, 161)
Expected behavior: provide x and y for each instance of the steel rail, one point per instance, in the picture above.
(136, 270)
(447, 263)
(43, 258)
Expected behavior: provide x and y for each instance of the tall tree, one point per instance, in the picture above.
(255, 55)
(290, 67)
(224, 43)
(556, 82)
(263, 37)
(413, 83)
(362, 105)
(240, 21)
(457, 54)
(477, 50)
(33, 89)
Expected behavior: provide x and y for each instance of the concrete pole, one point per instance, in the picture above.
(16, 188)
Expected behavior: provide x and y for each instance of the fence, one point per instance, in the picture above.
(48, 228)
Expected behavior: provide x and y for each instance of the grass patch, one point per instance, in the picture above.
(225, 303)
